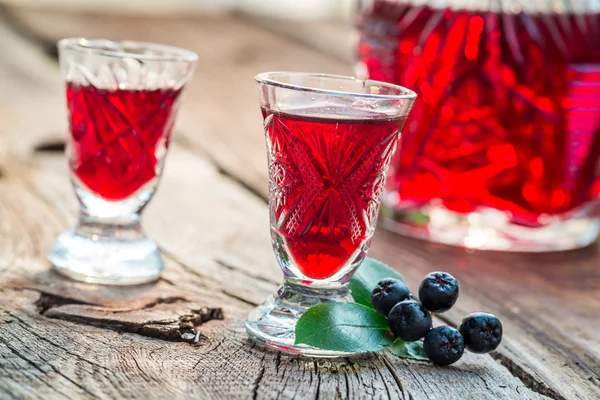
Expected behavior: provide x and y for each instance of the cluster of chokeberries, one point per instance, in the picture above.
(410, 320)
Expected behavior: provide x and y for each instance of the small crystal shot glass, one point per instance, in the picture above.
(330, 140)
(122, 100)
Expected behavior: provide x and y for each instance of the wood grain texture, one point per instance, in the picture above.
(101, 338)
(61, 339)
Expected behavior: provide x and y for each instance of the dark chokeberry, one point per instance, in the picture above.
(438, 291)
(387, 294)
(482, 332)
(409, 320)
(444, 345)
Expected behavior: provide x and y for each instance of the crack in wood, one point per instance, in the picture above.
(48, 301)
(239, 298)
(257, 382)
(277, 362)
(528, 380)
(164, 300)
(397, 379)
(387, 389)
(318, 374)
(221, 169)
(179, 328)
(233, 268)
(167, 281)
(485, 382)
(347, 382)
(261, 373)
(51, 147)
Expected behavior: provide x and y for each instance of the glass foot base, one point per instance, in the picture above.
(272, 324)
(106, 261)
(490, 229)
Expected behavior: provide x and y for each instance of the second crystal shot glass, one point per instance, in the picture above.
(330, 141)
(122, 99)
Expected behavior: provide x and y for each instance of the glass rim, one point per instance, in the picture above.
(270, 78)
(102, 47)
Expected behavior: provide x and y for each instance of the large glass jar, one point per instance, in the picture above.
(502, 148)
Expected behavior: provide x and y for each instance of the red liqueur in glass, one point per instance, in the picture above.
(327, 176)
(118, 137)
(506, 129)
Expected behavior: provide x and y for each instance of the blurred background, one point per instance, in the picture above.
(52, 19)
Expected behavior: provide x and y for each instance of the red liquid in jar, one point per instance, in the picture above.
(508, 108)
(118, 137)
(326, 180)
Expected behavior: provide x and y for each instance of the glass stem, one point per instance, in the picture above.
(322, 292)
(110, 229)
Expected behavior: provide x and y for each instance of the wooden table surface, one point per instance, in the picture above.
(62, 339)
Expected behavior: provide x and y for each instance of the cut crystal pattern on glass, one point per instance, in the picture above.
(324, 199)
(291, 169)
(121, 137)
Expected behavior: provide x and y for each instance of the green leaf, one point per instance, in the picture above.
(343, 327)
(366, 278)
(410, 350)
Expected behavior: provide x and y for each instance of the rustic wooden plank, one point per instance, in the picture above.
(547, 302)
(224, 353)
(60, 338)
(225, 362)
(236, 283)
